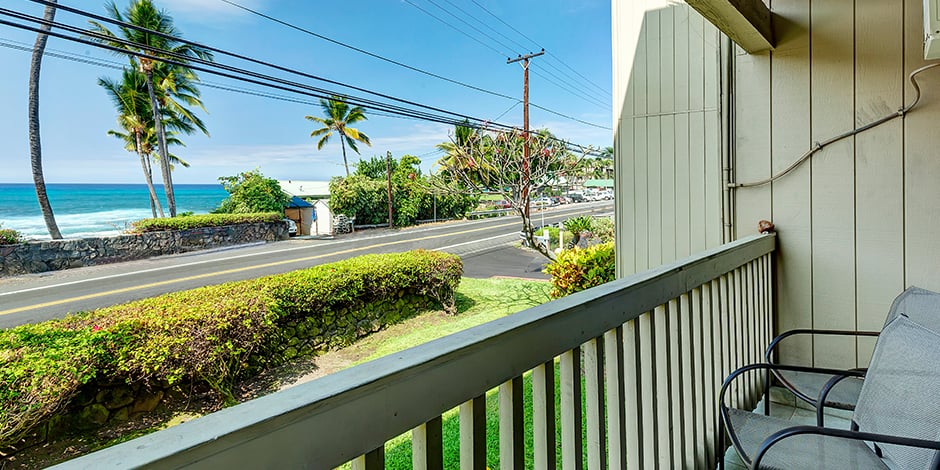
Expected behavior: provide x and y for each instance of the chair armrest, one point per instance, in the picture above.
(841, 433)
(824, 393)
(809, 331)
(723, 409)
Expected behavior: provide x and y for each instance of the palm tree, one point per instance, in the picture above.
(131, 99)
(144, 14)
(339, 115)
(35, 144)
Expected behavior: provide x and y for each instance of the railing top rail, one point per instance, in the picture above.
(326, 422)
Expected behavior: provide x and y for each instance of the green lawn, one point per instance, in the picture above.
(478, 301)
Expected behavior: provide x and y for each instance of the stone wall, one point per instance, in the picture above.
(52, 255)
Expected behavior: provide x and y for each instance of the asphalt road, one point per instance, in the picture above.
(482, 244)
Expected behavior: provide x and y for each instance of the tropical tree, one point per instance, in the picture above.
(35, 144)
(339, 115)
(166, 43)
(494, 162)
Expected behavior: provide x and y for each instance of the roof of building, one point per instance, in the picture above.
(608, 183)
(305, 188)
(298, 203)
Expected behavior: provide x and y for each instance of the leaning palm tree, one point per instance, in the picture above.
(35, 144)
(144, 14)
(135, 118)
(339, 115)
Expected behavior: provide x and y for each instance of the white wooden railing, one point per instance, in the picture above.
(652, 348)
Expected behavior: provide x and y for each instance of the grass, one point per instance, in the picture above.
(478, 301)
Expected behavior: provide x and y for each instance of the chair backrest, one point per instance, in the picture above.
(899, 396)
(920, 305)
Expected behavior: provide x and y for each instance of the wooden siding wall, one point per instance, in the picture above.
(858, 222)
(667, 133)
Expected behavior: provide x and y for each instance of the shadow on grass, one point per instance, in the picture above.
(463, 303)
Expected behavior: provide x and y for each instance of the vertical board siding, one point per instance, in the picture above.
(670, 113)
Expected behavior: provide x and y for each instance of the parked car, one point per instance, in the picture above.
(504, 204)
(559, 200)
(291, 227)
(543, 202)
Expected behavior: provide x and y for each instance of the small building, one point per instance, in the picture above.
(324, 220)
(306, 189)
(302, 213)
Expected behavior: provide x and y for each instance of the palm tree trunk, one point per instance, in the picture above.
(35, 144)
(161, 144)
(342, 143)
(154, 202)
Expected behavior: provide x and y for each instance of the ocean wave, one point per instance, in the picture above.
(100, 223)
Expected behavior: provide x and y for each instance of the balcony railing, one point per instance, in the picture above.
(652, 347)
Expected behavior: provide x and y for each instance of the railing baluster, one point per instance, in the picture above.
(713, 323)
(473, 434)
(511, 437)
(753, 314)
(649, 425)
(616, 401)
(543, 415)
(702, 379)
(687, 380)
(633, 393)
(374, 460)
(571, 441)
(677, 414)
(593, 351)
(662, 393)
(427, 445)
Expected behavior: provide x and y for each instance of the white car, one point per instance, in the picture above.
(543, 202)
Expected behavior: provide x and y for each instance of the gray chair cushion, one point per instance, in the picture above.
(900, 393)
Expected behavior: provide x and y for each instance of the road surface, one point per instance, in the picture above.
(37, 297)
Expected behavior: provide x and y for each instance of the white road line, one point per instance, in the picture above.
(247, 255)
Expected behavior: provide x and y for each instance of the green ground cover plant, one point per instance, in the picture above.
(213, 335)
(579, 269)
(189, 222)
(8, 236)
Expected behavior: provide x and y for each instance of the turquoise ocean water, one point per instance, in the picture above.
(95, 209)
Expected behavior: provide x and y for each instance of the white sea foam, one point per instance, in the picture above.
(92, 224)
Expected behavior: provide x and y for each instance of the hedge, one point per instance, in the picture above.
(214, 335)
(579, 269)
(202, 220)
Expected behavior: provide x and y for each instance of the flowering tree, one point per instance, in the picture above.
(494, 162)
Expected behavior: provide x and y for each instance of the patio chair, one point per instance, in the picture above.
(921, 305)
(895, 425)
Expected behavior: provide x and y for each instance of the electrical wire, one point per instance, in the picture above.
(185, 59)
(558, 82)
(817, 146)
(409, 67)
(432, 15)
(256, 78)
(538, 46)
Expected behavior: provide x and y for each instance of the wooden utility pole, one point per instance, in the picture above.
(525, 123)
(388, 169)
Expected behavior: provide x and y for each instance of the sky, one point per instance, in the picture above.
(248, 132)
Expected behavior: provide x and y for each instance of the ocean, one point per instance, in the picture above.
(83, 210)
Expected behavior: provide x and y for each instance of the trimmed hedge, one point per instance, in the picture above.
(214, 335)
(202, 220)
(579, 269)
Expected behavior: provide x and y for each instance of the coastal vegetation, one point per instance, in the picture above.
(8, 236)
(251, 192)
(213, 335)
(170, 87)
(339, 115)
(414, 196)
(188, 222)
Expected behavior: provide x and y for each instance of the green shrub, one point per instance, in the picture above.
(252, 192)
(603, 229)
(553, 235)
(202, 220)
(576, 269)
(8, 236)
(214, 334)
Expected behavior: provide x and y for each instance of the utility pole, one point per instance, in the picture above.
(525, 123)
(388, 169)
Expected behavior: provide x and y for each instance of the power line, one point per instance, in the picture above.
(432, 15)
(186, 61)
(458, 18)
(538, 45)
(409, 67)
(567, 86)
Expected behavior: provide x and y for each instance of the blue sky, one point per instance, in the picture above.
(251, 132)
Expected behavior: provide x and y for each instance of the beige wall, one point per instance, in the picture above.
(857, 223)
(667, 137)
